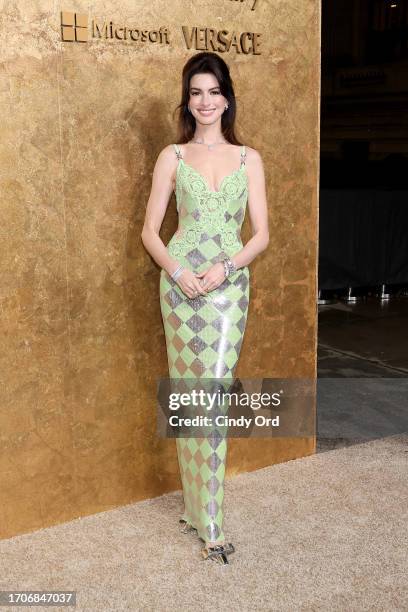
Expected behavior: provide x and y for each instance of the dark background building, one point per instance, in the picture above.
(364, 112)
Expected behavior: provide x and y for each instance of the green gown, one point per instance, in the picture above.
(204, 334)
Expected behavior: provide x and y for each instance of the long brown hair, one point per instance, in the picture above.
(207, 62)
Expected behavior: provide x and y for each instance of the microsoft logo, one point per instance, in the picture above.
(74, 27)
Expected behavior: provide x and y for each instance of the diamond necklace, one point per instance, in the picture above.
(210, 146)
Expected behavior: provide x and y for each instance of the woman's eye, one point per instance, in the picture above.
(196, 93)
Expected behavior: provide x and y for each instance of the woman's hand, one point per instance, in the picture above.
(190, 284)
(213, 277)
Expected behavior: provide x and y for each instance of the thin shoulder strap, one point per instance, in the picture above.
(178, 152)
(243, 154)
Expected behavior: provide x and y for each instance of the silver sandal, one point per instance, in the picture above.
(219, 554)
(186, 527)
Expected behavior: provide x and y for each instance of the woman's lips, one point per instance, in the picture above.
(206, 112)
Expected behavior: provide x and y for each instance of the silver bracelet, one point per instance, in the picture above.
(226, 268)
(179, 270)
(229, 266)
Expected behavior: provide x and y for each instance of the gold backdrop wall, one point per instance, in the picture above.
(82, 338)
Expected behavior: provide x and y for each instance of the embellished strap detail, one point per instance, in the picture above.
(243, 155)
(178, 152)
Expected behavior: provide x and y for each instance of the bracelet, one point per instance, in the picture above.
(229, 266)
(179, 270)
(226, 268)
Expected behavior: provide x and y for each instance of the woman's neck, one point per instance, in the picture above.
(208, 135)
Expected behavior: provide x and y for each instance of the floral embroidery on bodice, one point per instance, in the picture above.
(209, 221)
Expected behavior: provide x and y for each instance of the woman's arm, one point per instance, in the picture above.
(162, 187)
(258, 211)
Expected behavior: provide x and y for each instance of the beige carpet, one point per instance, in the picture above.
(328, 532)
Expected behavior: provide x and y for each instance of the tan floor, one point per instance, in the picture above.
(327, 532)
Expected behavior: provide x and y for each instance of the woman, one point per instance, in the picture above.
(204, 280)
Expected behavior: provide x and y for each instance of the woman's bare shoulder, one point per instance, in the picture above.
(253, 155)
(168, 152)
(167, 158)
(254, 162)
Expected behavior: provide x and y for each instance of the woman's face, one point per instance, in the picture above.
(206, 101)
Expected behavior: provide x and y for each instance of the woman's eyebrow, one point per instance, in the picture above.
(198, 89)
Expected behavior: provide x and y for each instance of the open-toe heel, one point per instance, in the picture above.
(186, 527)
(219, 554)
